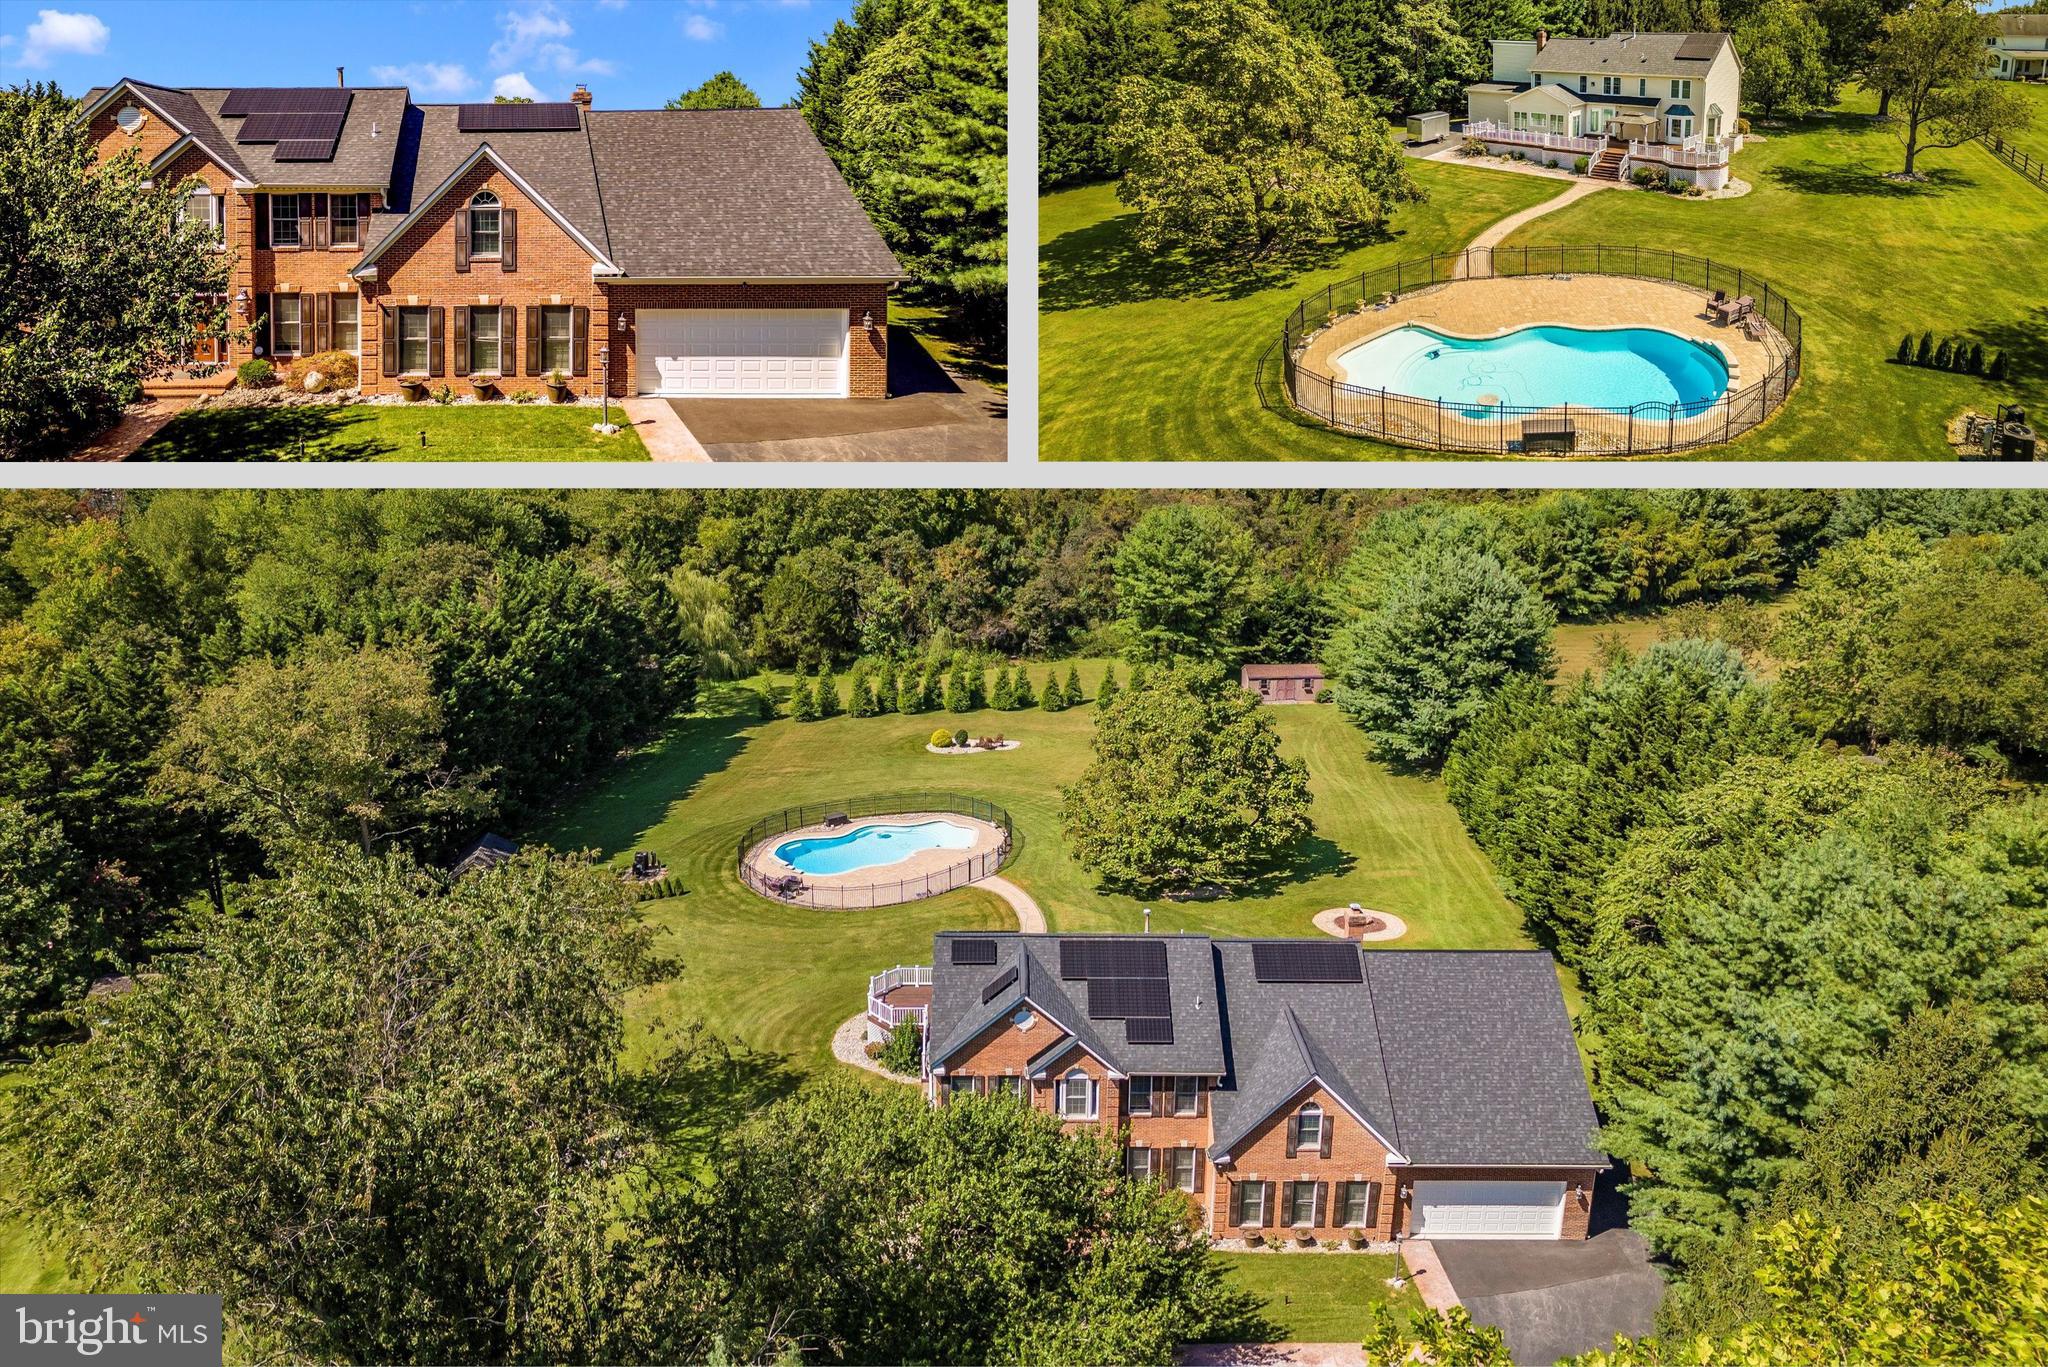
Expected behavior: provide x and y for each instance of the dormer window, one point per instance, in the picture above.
(129, 119)
(483, 224)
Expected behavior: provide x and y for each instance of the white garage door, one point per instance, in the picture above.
(1488, 1210)
(698, 353)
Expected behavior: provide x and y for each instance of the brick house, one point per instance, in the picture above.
(1294, 1089)
(686, 253)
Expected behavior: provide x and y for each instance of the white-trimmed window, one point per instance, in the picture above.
(483, 224)
(1610, 85)
(412, 341)
(1357, 1204)
(1681, 90)
(1301, 1204)
(1137, 1161)
(484, 356)
(284, 323)
(1643, 86)
(1248, 1201)
(1077, 1096)
(557, 340)
(284, 220)
(1308, 1127)
(1187, 1092)
(1141, 1096)
(1680, 128)
(1007, 1086)
(348, 333)
(128, 119)
(962, 1084)
(342, 218)
(1180, 1169)
(204, 206)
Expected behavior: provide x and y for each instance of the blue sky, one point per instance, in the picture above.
(633, 54)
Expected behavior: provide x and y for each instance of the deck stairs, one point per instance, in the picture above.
(1607, 166)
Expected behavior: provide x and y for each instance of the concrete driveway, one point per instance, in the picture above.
(1553, 1299)
(931, 414)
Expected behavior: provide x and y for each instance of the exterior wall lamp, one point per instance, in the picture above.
(867, 319)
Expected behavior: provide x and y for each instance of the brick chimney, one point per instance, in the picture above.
(1542, 37)
(580, 95)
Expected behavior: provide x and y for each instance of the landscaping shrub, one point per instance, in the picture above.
(1925, 354)
(339, 368)
(863, 702)
(255, 373)
(1074, 696)
(803, 699)
(1021, 694)
(445, 395)
(960, 736)
(903, 1054)
(1905, 356)
(1976, 358)
(885, 692)
(1106, 694)
(1998, 368)
(828, 696)
(1472, 147)
(1742, 127)
(523, 396)
(942, 737)
(1580, 166)
(1325, 694)
(1052, 700)
(1942, 355)
(1004, 696)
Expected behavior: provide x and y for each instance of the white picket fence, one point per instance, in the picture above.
(882, 984)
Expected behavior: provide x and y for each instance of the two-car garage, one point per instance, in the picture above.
(711, 353)
(1487, 1210)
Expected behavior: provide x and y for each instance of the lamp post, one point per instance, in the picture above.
(604, 370)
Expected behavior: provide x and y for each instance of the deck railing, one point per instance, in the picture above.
(1433, 424)
(1488, 130)
(882, 984)
(847, 896)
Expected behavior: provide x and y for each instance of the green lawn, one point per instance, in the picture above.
(1864, 259)
(535, 431)
(1321, 1298)
(939, 333)
(2034, 140)
(1143, 358)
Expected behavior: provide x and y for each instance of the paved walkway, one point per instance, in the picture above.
(1271, 1354)
(1495, 234)
(665, 435)
(1030, 920)
(139, 422)
(1427, 1272)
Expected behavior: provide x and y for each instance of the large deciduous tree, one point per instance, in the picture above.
(1188, 788)
(722, 91)
(384, 1118)
(1246, 140)
(100, 284)
(1450, 632)
(1930, 59)
(1184, 579)
(1784, 62)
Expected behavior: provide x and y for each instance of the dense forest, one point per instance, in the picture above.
(1795, 852)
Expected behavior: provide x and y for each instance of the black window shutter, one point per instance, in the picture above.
(1329, 1122)
(508, 340)
(580, 333)
(1323, 1205)
(533, 339)
(1293, 1135)
(320, 232)
(437, 364)
(508, 239)
(305, 323)
(387, 327)
(462, 239)
(462, 341)
(260, 206)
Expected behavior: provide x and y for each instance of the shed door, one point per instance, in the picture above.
(1488, 1210)
(698, 353)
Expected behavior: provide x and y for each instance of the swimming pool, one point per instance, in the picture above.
(867, 847)
(1539, 367)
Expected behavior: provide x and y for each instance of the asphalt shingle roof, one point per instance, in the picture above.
(363, 154)
(556, 164)
(742, 194)
(1646, 54)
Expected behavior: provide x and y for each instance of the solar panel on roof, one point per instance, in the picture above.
(1111, 998)
(1306, 962)
(286, 99)
(974, 951)
(517, 118)
(1148, 1030)
(1699, 47)
(1112, 959)
(994, 989)
(280, 127)
(305, 149)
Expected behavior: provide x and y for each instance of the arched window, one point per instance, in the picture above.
(1308, 1127)
(1077, 1096)
(483, 224)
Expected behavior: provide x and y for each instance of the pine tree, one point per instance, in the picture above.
(1106, 694)
(1052, 700)
(1959, 359)
(977, 685)
(862, 702)
(1998, 368)
(803, 699)
(885, 691)
(828, 696)
(1976, 358)
(1137, 676)
(934, 687)
(1004, 695)
(958, 699)
(1906, 349)
(1074, 697)
(1021, 695)
(1925, 355)
(1941, 355)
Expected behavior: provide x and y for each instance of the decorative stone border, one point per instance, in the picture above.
(972, 749)
(1327, 921)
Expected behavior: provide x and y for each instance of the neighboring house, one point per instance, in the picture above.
(1282, 683)
(1667, 100)
(489, 851)
(2020, 50)
(708, 252)
(1288, 1084)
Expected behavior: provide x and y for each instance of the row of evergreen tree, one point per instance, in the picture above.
(1964, 359)
(958, 685)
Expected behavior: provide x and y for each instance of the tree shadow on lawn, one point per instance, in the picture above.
(615, 809)
(2025, 344)
(1824, 178)
(698, 1090)
(284, 432)
(1103, 264)
(1316, 857)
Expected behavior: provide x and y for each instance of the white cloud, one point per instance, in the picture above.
(428, 78)
(6, 40)
(530, 36)
(700, 29)
(514, 85)
(56, 31)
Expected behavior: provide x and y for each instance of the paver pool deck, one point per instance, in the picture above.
(1485, 308)
(924, 873)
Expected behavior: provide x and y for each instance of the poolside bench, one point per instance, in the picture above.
(1550, 434)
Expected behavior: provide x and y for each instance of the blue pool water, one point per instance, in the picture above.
(1539, 367)
(866, 847)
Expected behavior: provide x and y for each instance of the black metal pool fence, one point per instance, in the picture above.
(840, 895)
(1645, 429)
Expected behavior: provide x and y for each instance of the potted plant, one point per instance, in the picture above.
(1254, 1238)
(1355, 1238)
(414, 387)
(558, 386)
(483, 384)
(1304, 1236)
